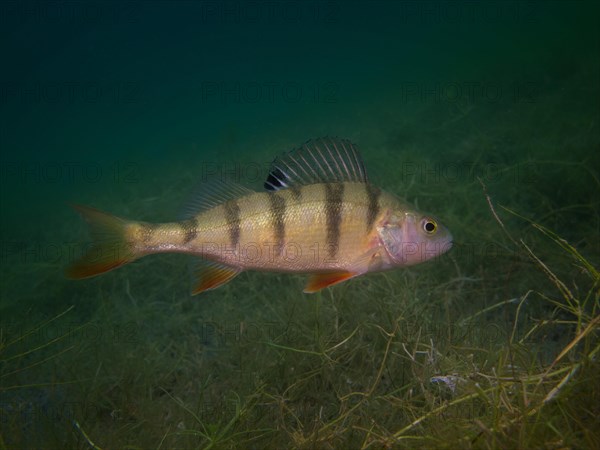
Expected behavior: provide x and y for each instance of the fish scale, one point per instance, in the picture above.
(320, 233)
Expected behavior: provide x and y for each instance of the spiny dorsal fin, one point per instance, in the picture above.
(323, 160)
(209, 194)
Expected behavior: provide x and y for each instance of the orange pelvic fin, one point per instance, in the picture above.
(319, 281)
(109, 248)
(208, 275)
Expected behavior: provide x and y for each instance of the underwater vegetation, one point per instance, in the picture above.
(493, 345)
(429, 358)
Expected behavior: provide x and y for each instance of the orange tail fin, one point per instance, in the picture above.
(109, 248)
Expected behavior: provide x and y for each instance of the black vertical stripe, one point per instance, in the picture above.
(296, 193)
(334, 197)
(373, 208)
(232, 216)
(277, 209)
(190, 230)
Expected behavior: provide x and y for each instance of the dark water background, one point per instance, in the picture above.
(98, 92)
(123, 105)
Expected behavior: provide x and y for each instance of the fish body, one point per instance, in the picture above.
(318, 215)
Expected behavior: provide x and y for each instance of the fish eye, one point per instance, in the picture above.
(429, 226)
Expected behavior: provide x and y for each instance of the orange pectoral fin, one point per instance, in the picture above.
(319, 281)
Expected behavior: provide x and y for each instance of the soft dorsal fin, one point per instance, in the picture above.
(209, 194)
(323, 160)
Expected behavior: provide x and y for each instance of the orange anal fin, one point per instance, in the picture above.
(208, 275)
(319, 281)
(90, 267)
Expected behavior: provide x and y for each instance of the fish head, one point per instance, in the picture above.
(412, 237)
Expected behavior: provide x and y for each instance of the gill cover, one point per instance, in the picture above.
(401, 239)
(391, 237)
